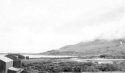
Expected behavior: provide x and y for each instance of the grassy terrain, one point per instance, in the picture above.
(97, 47)
(66, 65)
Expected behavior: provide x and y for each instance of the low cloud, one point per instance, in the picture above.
(108, 30)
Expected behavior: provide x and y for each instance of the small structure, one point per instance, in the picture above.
(10, 64)
(5, 63)
(105, 62)
(16, 59)
(102, 61)
(14, 70)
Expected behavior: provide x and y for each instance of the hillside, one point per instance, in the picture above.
(97, 47)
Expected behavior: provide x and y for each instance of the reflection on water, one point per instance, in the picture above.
(43, 56)
(49, 56)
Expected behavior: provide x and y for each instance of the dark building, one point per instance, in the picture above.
(14, 70)
(10, 64)
(5, 63)
(16, 59)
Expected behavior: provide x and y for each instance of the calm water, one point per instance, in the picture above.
(39, 56)
(49, 56)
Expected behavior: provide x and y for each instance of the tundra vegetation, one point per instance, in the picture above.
(52, 66)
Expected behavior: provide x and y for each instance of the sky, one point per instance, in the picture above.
(35, 26)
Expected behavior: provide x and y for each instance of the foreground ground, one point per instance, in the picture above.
(72, 65)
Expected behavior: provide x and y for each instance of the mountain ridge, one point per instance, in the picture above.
(96, 47)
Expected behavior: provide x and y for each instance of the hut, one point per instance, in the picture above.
(14, 70)
(17, 63)
(5, 63)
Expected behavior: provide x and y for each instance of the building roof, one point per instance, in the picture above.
(15, 56)
(15, 69)
(5, 59)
